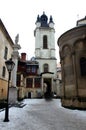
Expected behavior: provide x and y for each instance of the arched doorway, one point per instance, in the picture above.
(48, 90)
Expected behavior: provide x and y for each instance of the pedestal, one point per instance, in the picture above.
(12, 95)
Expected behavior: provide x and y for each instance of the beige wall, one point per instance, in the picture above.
(5, 41)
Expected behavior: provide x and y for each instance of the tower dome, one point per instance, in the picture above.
(43, 20)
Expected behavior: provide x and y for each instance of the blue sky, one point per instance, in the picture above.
(19, 16)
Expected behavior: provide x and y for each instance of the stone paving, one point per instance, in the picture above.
(40, 114)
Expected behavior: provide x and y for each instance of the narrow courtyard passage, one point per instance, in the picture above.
(41, 114)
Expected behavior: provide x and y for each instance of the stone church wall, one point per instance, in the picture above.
(72, 48)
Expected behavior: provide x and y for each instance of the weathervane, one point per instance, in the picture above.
(17, 38)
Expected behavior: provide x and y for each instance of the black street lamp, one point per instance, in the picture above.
(10, 65)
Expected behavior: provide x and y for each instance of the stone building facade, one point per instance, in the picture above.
(6, 49)
(72, 48)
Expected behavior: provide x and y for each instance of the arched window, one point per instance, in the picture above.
(83, 66)
(45, 46)
(46, 68)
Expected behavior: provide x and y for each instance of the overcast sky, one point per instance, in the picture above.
(19, 16)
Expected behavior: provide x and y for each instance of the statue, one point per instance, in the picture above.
(17, 38)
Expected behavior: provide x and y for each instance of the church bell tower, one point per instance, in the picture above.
(45, 51)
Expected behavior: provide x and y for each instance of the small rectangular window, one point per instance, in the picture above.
(3, 71)
(37, 82)
(33, 69)
(5, 53)
(28, 69)
(29, 82)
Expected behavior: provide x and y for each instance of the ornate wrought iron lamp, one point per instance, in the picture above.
(10, 65)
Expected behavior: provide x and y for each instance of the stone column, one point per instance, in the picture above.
(13, 88)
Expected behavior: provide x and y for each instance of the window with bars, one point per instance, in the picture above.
(31, 69)
(29, 82)
(28, 69)
(37, 82)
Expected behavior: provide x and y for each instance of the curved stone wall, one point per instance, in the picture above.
(72, 49)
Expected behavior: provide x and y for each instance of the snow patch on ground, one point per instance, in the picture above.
(21, 119)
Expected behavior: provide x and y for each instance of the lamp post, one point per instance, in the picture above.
(10, 65)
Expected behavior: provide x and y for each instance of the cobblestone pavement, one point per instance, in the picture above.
(40, 114)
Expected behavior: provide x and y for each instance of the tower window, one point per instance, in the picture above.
(3, 71)
(83, 66)
(45, 46)
(5, 53)
(46, 68)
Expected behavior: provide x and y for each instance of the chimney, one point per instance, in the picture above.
(23, 56)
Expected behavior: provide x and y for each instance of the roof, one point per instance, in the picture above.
(32, 63)
(43, 19)
(79, 31)
(81, 22)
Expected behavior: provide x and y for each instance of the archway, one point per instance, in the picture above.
(48, 91)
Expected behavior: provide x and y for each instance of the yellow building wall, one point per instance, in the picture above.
(3, 89)
(5, 41)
